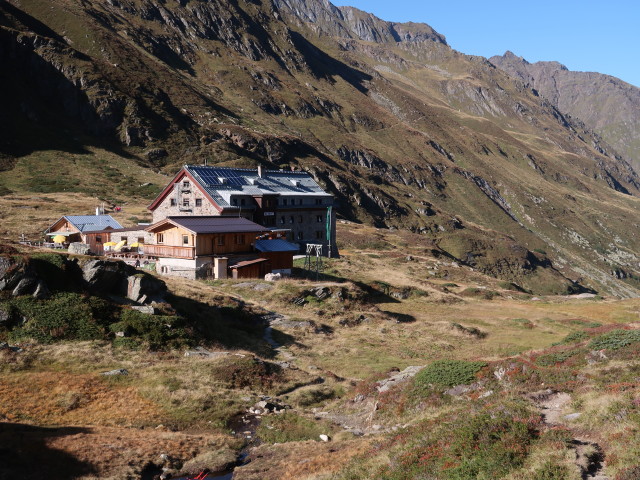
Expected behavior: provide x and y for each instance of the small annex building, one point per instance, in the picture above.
(280, 254)
(199, 247)
(76, 228)
(291, 201)
(123, 236)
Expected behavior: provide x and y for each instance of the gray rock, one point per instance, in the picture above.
(145, 288)
(572, 416)
(119, 371)
(103, 275)
(42, 291)
(272, 277)
(26, 286)
(148, 309)
(5, 317)
(403, 376)
(79, 248)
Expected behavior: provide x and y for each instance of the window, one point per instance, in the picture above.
(123, 239)
(318, 201)
(299, 235)
(300, 219)
(159, 237)
(185, 239)
(291, 219)
(140, 240)
(173, 202)
(319, 234)
(221, 240)
(284, 201)
(198, 202)
(234, 201)
(185, 202)
(239, 239)
(299, 201)
(98, 239)
(282, 220)
(185, 184)
(319, 218)
(242, 202)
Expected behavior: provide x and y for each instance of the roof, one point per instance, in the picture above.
(277, 245)
(90, 223)
(120, 230)
(220, 182)
(246, 263)
(215, 224)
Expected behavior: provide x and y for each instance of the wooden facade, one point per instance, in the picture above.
(279, 260)
(179, 242)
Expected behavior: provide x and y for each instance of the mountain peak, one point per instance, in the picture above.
(351, 22)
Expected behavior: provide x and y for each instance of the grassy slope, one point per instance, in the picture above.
(443, 314)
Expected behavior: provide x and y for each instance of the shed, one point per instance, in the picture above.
(279, 252)
(257, 268)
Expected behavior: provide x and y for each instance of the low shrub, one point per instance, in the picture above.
(448, 373)
(615, 339)
(157, 331)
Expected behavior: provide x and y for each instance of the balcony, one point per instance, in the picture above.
(168, 251)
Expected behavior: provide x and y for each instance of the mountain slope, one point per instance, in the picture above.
(604, 103)
(405, 131)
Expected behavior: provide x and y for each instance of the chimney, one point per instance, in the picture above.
(260, 172)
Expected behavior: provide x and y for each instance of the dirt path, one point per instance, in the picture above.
(590, 457)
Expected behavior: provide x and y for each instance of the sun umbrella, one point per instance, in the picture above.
(59, 239)
(109, 244)
(135, 245)
(119, 245)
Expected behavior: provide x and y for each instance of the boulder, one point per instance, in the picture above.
(148, 309)
(42, 291)
(26, 286)
(145, 288)
(272, 277)
(105, 276)
(5, 317)
(11, 272)
(79, 248)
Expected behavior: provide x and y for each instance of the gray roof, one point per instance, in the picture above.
(92, 223)
(277, 245)
(217, 224)
(221, 182)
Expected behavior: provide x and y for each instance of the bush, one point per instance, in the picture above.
(615, 339)
(573, 338)
(448, 373)
(64, 316)
(487, 445)
(158, 331)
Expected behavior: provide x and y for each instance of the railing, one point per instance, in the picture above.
(169, 251)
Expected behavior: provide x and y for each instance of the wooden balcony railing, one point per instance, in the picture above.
(169, 251)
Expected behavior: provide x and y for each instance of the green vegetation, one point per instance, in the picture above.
(448, 373)
(615, 339)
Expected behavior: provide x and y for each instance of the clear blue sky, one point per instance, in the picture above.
(588, 35)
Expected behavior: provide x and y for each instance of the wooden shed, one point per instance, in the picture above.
(257, 268)
(279, 252)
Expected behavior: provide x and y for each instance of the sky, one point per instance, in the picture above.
(588, 35)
